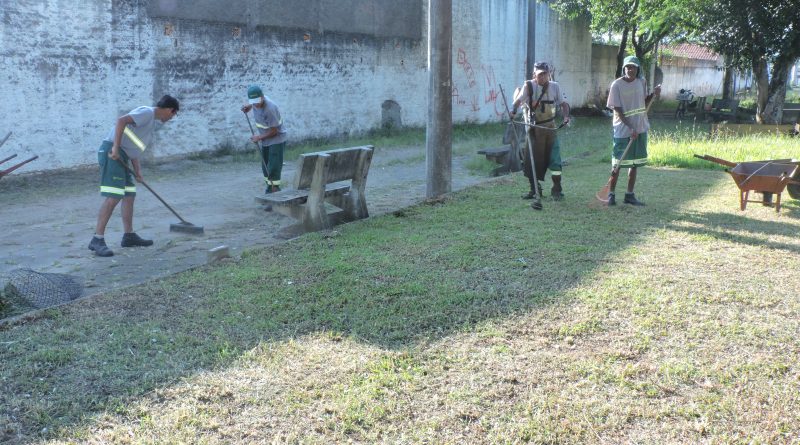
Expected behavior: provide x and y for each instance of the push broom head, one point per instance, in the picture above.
(186, 227)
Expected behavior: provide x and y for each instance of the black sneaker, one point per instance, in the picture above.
(98, 245)
(134, 240)
(530, 195)
(612, 199)
(556, 194)
(630, 198)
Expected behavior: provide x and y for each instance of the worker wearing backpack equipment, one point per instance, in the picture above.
(543, 96)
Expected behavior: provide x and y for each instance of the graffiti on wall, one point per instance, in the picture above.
(471, 94)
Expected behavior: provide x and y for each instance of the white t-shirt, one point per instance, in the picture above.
(630, 96)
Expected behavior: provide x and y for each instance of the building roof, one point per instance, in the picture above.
(692, 51)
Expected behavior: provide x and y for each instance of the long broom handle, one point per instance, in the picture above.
(127, 169)
(258, 146)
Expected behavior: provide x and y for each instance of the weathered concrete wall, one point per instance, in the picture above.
(567, 46)
(703, 77)
(604, 66)
(70, 68)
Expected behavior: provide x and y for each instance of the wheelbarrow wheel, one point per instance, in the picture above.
(794, 190)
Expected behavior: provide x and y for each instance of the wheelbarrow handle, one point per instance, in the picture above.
(5, 139)
(11, 169)
(716, 160)
(8, 158)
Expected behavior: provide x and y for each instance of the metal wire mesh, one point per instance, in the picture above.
(28, 289)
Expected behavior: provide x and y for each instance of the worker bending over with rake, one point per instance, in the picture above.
(127, 140)
(271, 136)
(628, 98)
(542, 97)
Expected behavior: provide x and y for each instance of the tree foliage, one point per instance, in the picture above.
(643, 23)
(754, 34)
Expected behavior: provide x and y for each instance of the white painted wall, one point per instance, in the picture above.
(567, 46)
(703, 77)
(69, 69)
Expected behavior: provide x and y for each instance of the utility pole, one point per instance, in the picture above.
(531, 55)
(439, 134)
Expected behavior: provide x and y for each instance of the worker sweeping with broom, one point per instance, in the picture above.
(127, 140)
(271, 135)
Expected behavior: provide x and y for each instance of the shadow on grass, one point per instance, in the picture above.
(728, 227)
(396, 281)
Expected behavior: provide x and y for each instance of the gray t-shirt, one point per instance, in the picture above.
(269, 117)
(139, 135)
(630, 96)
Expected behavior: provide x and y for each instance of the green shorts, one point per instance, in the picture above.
(115, 181)
(637, 154)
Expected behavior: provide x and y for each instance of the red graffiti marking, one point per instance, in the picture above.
(474, 103)
(492, 92)
(467, 67)
(457, 99)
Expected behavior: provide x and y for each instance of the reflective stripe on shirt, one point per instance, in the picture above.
(135, 139)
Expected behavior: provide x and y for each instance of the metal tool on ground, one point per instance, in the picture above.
(13, 167)
(602, 194)
(183, 226)
(536, 203)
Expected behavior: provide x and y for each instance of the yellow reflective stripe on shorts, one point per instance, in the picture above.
(135, 139)
(130, 189)
(635, 112)
(275, 182)
(112, 190)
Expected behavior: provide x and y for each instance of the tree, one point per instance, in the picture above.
(756, 33)
(642, 22)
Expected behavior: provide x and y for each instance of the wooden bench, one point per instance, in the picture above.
(724, 110)
(319, 180)
(503, 156)
(791, 113)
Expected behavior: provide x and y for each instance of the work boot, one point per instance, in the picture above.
(555, 192)
(630, 198)
(98, 245)
(134, 240)
(612, 199)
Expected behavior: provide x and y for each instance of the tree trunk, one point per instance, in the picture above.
(621, 53)
(761, 81)
(776, 95)
(727, 83)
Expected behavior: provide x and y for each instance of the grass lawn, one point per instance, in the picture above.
(472, 319)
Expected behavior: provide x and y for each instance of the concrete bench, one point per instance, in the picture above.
(724, 110)
(505, 157)
(336, 177)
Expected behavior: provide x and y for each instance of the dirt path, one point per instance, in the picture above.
(47, 222)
